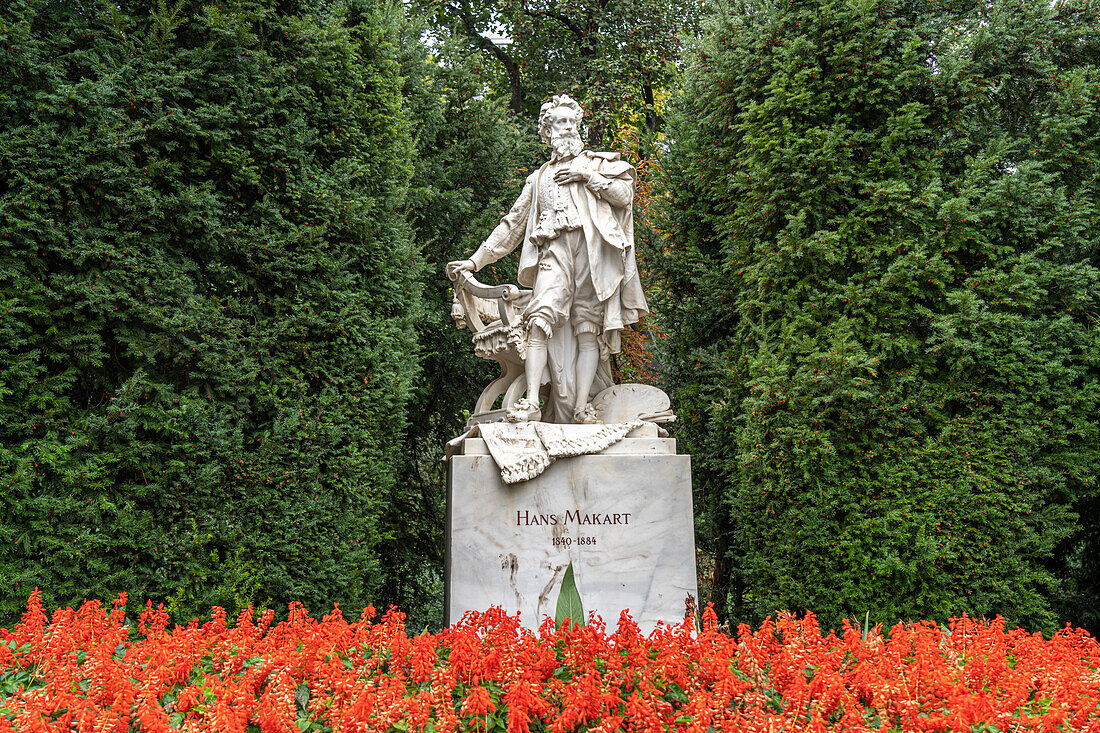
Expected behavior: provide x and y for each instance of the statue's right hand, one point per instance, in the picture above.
(457, 266)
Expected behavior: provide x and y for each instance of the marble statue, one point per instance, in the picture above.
(560, 468)
(573, 223)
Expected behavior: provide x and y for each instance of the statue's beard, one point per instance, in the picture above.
(566, 145)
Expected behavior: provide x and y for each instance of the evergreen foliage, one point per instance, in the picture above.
(228, 368)
(208, 295)
(881, 290)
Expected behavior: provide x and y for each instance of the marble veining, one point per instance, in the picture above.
(624, 520)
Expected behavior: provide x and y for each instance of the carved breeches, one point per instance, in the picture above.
(563, 288)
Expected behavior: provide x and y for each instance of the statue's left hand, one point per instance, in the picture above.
(571, 175)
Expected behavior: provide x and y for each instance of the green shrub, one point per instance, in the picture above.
(207, 293)
(881, 291)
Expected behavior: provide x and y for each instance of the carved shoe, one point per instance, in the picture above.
(586, 416)
(524, 411)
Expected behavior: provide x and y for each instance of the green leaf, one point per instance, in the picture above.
(569, 601)
(302, 696)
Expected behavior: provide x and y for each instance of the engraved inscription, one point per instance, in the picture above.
(563, 522)
(527, 518)
(569, 541)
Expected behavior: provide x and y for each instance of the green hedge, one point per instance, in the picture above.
(881, 290)
(206, 302)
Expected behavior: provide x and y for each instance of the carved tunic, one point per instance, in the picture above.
(577, 256)
(557, 212)
(598, 213)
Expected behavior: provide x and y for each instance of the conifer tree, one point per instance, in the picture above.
(208, 293)
(880, 289)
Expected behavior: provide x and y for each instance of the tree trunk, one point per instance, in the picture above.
(651, 118)
(723, 577)
(515, 87)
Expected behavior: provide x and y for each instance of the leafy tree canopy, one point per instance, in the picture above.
(618, 58)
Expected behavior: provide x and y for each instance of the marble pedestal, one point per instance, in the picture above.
(623, 517)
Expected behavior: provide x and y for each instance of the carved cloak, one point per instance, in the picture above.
(609, 236)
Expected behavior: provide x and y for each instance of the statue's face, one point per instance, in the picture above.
(563, 121)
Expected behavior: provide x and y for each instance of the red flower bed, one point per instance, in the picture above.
(87, 670)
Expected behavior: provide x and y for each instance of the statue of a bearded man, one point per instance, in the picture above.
(575, 225)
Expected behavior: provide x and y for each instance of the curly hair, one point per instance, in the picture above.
(559, 100)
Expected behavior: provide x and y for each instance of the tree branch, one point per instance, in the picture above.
(515, 88)
(565, 20)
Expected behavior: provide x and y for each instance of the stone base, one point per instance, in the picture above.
(623, 517)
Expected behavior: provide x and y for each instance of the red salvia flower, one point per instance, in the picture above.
(88, 670)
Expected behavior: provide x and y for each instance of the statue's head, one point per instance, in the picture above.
(559, 124)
